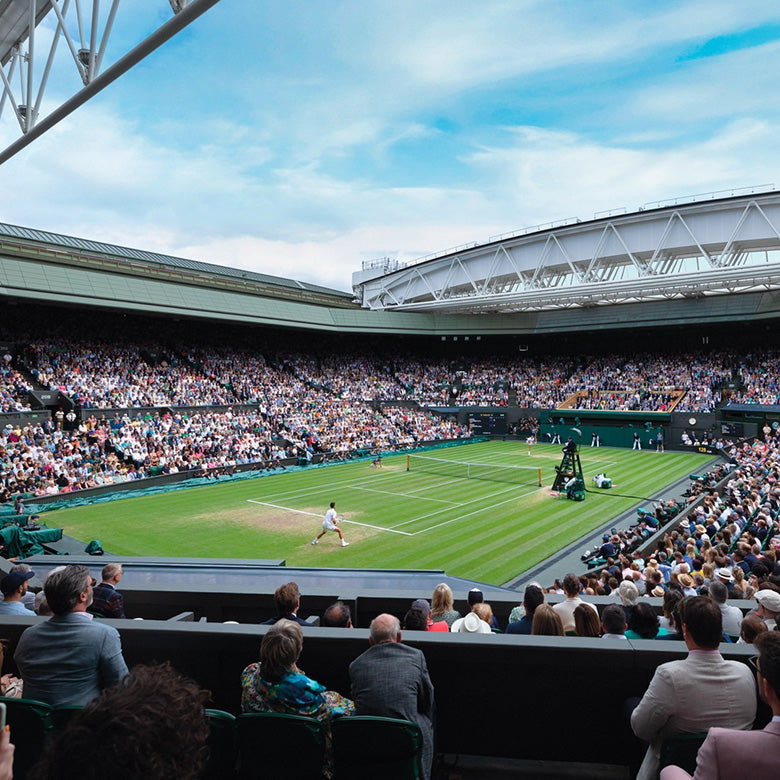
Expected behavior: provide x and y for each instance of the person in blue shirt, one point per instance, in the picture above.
(13, 587)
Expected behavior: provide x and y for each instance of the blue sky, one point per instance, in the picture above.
(301, 138)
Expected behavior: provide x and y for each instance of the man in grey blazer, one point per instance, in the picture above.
(692, 695)
(69, 658)
(734, 755)
(391, 680)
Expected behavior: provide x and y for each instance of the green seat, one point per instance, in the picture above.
(221, 763)
(31, 729)
(681, 749)
(274, 746)
(62, 716)
(376, 748)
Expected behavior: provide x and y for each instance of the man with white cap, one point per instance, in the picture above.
(768, 607)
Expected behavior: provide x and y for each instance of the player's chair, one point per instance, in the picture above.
(379, 748)
(681, 749)
(273, 746)
(221, 763)
(31, 729)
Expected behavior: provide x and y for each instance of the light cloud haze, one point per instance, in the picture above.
(300, 139)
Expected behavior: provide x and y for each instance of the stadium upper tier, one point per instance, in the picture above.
(718, 247)
(139, 362)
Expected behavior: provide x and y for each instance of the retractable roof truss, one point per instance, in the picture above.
(83, 29)
(683, 251)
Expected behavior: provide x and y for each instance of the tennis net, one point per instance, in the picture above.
(518, 475)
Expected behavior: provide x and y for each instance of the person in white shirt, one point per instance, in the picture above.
(331, 523)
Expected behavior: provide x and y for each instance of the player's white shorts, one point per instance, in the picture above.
(328, 525)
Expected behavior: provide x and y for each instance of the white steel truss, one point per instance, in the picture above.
(84, 28)
(681, 251)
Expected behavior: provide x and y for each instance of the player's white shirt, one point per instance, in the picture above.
(329, 522)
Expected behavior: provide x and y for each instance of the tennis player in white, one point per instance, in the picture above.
(331, 523)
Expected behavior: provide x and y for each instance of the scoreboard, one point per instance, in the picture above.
(487, 423)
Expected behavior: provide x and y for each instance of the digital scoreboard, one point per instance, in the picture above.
(487, 423)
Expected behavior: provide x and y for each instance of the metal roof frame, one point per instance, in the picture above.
(25, 71)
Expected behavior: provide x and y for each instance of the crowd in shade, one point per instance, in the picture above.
(110, 374)
(760, 377)
(45, 459)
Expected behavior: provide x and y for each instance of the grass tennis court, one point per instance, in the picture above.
(489, 527)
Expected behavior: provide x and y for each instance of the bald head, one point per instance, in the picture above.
(384, 628)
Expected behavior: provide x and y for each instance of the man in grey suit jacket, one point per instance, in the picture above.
(733, 755)
(69, 659)
(692, 695)
(391, 680)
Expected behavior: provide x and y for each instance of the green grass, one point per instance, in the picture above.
(478, 528)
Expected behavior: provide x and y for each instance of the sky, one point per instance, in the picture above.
(302, 138)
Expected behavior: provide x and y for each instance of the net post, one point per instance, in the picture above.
(408, 467)
(540, 476)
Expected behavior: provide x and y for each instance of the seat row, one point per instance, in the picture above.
(255, 745)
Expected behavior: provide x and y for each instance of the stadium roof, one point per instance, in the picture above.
(710, 246)
(86, 248)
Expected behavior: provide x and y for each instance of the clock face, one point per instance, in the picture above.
(691, 421)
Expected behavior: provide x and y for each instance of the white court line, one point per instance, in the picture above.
(473, 501)
(285, 508)
(405, 495)
(476, 511)
(314, 514)
(307, 491)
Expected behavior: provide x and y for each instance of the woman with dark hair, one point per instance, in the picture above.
(586, 621)
(672, 598)
(644, 623)
(151, 725)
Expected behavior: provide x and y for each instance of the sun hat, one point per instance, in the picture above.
(471, 624)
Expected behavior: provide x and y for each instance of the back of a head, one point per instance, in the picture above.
(644, 621)
(571, 585)
(586, 621)
(152, 726)
(750, 627)
(441, 600)
(63, 586)
(484, 612)
(287, 597)
(280, 649)
(415, 620)
(475, 596)
(110, 570)
(628, 593)
(768, 644)
(702, 618)
(384, 628)
(337, 615)
(546, 622)
(719, 592)
(532, 598)
(613, 618)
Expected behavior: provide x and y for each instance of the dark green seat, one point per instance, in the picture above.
(376, 748)
(31, 729)
(681, 749)
(61, 716)
(221, 763)
(273, 746)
